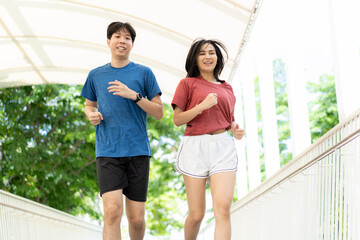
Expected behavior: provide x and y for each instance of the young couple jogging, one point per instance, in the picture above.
(121, 93)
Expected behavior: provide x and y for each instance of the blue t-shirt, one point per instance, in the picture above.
(123, 132)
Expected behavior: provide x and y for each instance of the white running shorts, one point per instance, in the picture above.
(203, 155)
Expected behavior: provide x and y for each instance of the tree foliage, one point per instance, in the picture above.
(166, 187)
(47, 147)
(282, 110)
(47, 154)
(282, 115)
(323, 112)
(323, 109)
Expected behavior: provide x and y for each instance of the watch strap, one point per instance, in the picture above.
(138, 97)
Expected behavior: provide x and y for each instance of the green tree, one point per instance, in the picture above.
(166, 187)
(282, 110)
(282, 115)
(260, 128)
(47, 154)
(47, 148)
(323, 111)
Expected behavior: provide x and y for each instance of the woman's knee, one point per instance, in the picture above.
(222, 209)
(196, 216)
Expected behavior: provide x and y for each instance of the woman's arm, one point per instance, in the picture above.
(182, 117)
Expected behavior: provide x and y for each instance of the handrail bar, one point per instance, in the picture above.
(287, 172)
(76, 221)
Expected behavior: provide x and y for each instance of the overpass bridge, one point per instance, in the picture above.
(314, 196)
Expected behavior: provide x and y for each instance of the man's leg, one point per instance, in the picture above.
(135, 212)
(113, 209)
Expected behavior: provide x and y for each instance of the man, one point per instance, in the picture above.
(118, 97)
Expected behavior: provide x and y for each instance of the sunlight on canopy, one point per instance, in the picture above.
(60, 41)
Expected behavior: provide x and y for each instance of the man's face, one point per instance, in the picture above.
(120, 44)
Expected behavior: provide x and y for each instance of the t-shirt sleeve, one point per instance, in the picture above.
(180, 98)
(88, 90)
(151, 85)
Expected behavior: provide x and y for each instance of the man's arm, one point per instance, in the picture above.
(152, 107)
(92, 112)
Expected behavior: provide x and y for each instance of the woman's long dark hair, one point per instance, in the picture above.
(190, 65)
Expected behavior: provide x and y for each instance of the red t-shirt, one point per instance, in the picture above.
(192, 91)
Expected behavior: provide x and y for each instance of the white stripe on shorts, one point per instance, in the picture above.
(203, 155)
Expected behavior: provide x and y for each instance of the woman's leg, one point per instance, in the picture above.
(195, 194)
(222, 191)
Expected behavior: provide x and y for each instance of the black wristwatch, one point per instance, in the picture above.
(138, 97)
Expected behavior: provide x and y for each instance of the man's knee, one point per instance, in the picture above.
(113, 213)
(137, 221)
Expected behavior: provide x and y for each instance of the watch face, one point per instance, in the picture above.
(138, 97)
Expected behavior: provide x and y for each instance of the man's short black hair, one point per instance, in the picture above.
(116, 26)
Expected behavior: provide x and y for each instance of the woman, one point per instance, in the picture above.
(206, 105)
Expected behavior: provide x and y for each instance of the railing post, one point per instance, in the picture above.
(251, 138)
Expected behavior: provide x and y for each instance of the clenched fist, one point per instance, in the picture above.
(95, 118)
(237, 131)
(209, 101)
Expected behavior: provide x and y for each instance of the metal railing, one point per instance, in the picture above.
(21, 218)
(315, 196)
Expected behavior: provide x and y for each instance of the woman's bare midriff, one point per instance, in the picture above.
(217, 132)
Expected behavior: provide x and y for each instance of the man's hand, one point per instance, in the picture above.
(95, 118)
(237, 131)
(120, 89)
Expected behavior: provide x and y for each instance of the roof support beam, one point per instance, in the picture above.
(22, 50)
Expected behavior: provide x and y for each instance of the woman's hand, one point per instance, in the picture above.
(208, 102)
(237, 131)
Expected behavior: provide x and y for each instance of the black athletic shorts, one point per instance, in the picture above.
(128, 173)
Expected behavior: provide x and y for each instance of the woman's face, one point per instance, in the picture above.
(206, 59)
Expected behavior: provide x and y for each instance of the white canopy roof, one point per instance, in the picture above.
(60, 41)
